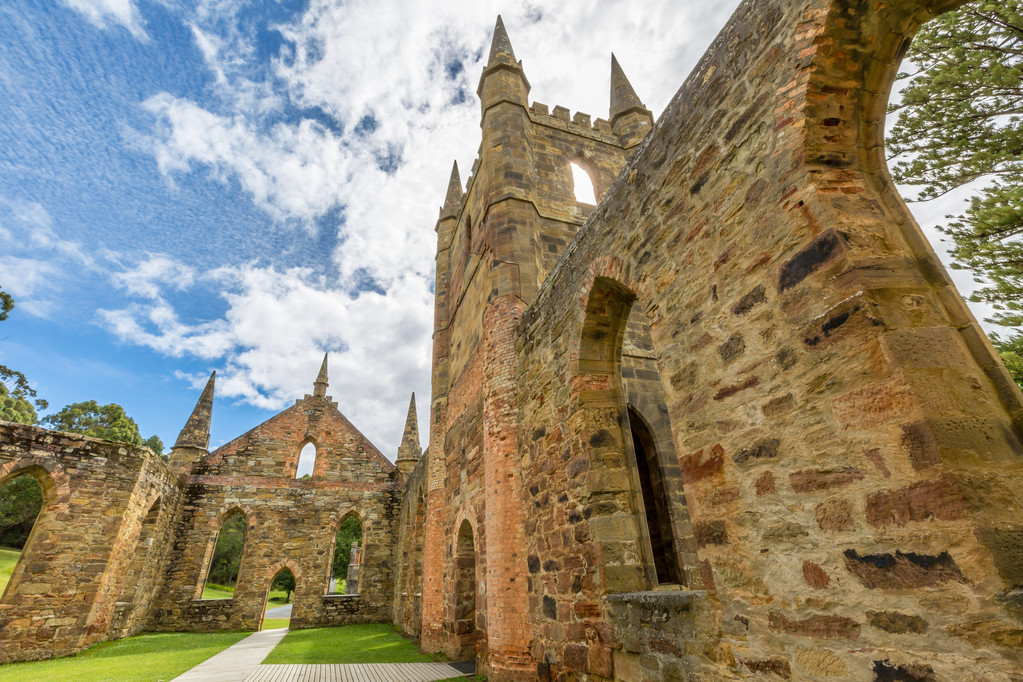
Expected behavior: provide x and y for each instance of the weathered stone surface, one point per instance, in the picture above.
(937, 499)
(821, 662)
(817, 626)
(886, 671)
(748, 291)
(902, 569)
(897, 623)
(815, 576)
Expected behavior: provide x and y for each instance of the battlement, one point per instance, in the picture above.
(579, 124)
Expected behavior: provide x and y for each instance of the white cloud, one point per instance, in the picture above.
(399, 81)
(106, 13)
(268, 346)
(36, 265)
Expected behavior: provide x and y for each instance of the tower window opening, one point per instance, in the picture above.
(583, 186)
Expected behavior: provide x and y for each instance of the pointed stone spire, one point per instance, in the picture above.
(623, 97)
(196, 433)
(320, 385)
(513, 86)
(409, 450)
(630, 119)
(453, 199)
(500, 46)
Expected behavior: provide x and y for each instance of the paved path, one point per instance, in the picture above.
(350, 672)
(234, 663)
(278, 612)
(241, 663)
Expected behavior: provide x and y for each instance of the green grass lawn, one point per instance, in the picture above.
(217, 592)
(274, 623)
(8, 559)
(374, 643)
(146, 658)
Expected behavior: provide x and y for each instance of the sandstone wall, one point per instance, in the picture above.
(849, 446)
(289, 524)
(495, 246)
(95, 553)
(408, 557)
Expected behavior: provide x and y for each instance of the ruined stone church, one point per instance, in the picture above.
(732, 422)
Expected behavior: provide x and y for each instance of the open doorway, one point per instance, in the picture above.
(277, 610)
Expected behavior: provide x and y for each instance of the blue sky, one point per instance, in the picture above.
(188, 186)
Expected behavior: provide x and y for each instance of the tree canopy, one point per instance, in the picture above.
(284, 582)
(21, 498)
(18, 400)
(108, 422)
(960, 120)
(348, 532)
(227, 553)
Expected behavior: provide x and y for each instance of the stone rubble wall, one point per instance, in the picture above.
(67, 586)
(289, 524)
(850, 450)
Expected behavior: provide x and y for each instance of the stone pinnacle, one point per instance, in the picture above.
(623, 97)
(320, 385)
(196, 433)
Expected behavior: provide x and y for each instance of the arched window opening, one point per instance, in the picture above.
(21, 499)
(277, 611)
(468, 234)
(612, 340)
(344, 573)
(226, 562)
(466, 631)
(582, 185)
(656, 505)
(306, 462)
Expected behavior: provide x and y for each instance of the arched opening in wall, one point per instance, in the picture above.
(618, 368)
(951, 141)
(225, 564)
(306, 462)
(277, 608)
(656, 505)
(21, 500)
(466, 631)
(582, 185)
(346, 566)
(140, 577)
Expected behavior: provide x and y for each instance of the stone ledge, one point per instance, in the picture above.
(342, 596)
(658, 599)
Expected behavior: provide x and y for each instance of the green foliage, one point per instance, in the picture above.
(156, 445)
(959, 116)
(227, 554)
(146, 658)
(20, 502)
(373, 643)
(108, 422)
(960, 120)
(285, 582)
(348, 532)
(18, 401)
(89, 418)
(6, 305)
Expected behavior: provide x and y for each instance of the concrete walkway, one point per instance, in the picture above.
(241, 663)
(236, 662)
(279, 612)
